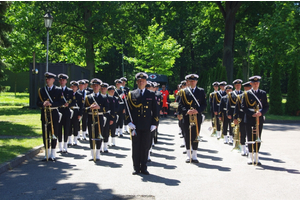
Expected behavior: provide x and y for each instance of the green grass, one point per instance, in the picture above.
(282, 117)
(16, 121)
(10, 99)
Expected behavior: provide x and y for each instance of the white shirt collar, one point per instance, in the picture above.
(143, 90)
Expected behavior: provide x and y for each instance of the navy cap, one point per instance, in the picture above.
(49, 75)
(111, 87)
(141, 75)
(81, 82)
(123, 79)
(183, 83)
(191, 77)
(74, 83)
(62, 76)
(223, 83)
(255, 79)
(215, 83)
(227, 87)
(247, 84)
(157, 84)
(104, 85)
(237, 81)
(96, 81)
(118, 81)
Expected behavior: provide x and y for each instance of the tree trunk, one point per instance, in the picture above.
(89, 45)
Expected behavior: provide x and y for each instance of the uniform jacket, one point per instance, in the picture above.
(102, 102)
(217, 100)
(231, 101)
(77, 101)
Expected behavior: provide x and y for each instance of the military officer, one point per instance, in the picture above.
(125, 90)
(211, 98)
(119, 94)
(192, 101)
(158, 98)
(255, 105)
(217, 101)
(96, 106)
(49, 99)
(86, 86)
(67, 94)
(77, 106)
(238, 118)
(142, 118)
(223, 115)
(114, 105)
(231, 102)
(83, 92)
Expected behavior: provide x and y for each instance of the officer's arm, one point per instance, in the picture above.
(39, 101)
(181, 108)
(59, 99)
(228, 107)
(265, 104)
(245, 108)
(202, 102)
(154, 111)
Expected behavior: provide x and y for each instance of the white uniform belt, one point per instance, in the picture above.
(100, 113)
(232, 106)
(251, 109)
(224, 108)
(121, 102)
(241, 110)
(74, 107)
(218, 104)
(52, 108)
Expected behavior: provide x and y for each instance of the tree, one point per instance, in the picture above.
(275, 91)
(156, 52)
(292, 106)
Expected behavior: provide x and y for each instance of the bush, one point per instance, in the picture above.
(293, 96)
(4, 88)
(275, 92)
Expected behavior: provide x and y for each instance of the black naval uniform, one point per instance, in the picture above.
(186, 102)
(216, 105)
(249, 103)
(230, 105)
(109, 117)
(143, 109)
(114, 107)
(239, 115)
(125, 90)
(104, 106)
(223, 114)
(57, 100)
(77, 106)
(84, 94)
(180, 122)
(118, 94)
(67, 95)
(158, 98)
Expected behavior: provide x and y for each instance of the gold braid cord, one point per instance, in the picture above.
(232, 102)
(216, 97)
(87, 102)
(185, 99)
(40, 95)
(247, 100)
(134, 105)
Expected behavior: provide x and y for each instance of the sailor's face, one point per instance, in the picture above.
(141, 83)
(50, 81)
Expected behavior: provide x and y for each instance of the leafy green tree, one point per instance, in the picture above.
(275, 91)
(292, 106)
(156, 52)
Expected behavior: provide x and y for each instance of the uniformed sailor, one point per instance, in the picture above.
(223, 115)
(211, 101)
(217, 101)
(114, 105)
(83, 92)
(120, 95)
(49, 99)
(125, 90)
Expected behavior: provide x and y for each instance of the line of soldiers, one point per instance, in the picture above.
(101, 109)
(242, 110)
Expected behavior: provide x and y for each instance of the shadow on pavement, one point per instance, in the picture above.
(75, 156)
(104, 163)
(165, 166)
(158, 179)
(209, 157)
(208, 166)
(167, 157)
(163, 149)
(114, 155)
(281, 127)
(268, 167)
(164, 134)
(271, 159)
(208, 150)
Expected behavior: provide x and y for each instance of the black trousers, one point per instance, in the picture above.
(64, 123)
(121, 119)
(140, 148)
(84, 121)
(112, 129)
(186, 130)
(243, 132)
(156, 133)
(105, 133)
(218, 122)
(249, 128)
(90, 125)
(74, 125)
(49, 130)
(226, 123)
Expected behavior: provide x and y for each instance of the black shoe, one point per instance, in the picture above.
(195, 161)
(91, 159)
(52, 159)
(181, 136)
(121, 135)
(184, 152)
(97, 159)
(84, 138)
(74, 144)
(152, 145)
(135, 172)
(181, 146)
(249, 163)
(78, 138)
(106, 151)
(69, 145)
(145, 172)
(45, 159)
(60, 151)
(100, 151)
(258, 164)
(187, 160)
(149, 160)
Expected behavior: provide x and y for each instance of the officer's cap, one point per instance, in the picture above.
(49, 75)
(141, 75)
(62, 76)
(180, 85)
(227, 87)
(96, 81)
(74, 83)
(157, 84)
(215, 84)
(247, 84)
(118, 81)
(191, 77)
(183, 83)
(104, 85)
(111, 87)
(123, 79)
(81, 82)
(85, 80)
(255, 79)
(237, 81)
(223, 83)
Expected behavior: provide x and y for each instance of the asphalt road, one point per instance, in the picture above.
(221, 173)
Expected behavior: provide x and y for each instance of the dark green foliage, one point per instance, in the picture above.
(293, 96)
(240, 74)
(275, 91)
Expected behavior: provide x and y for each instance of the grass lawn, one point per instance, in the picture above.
(16, 121)
(10, 99)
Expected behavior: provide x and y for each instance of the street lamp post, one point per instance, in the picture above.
(48, 22)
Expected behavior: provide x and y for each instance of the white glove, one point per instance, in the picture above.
(131, 125)
(152, 128)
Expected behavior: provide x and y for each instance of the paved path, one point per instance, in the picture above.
(221, 174)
